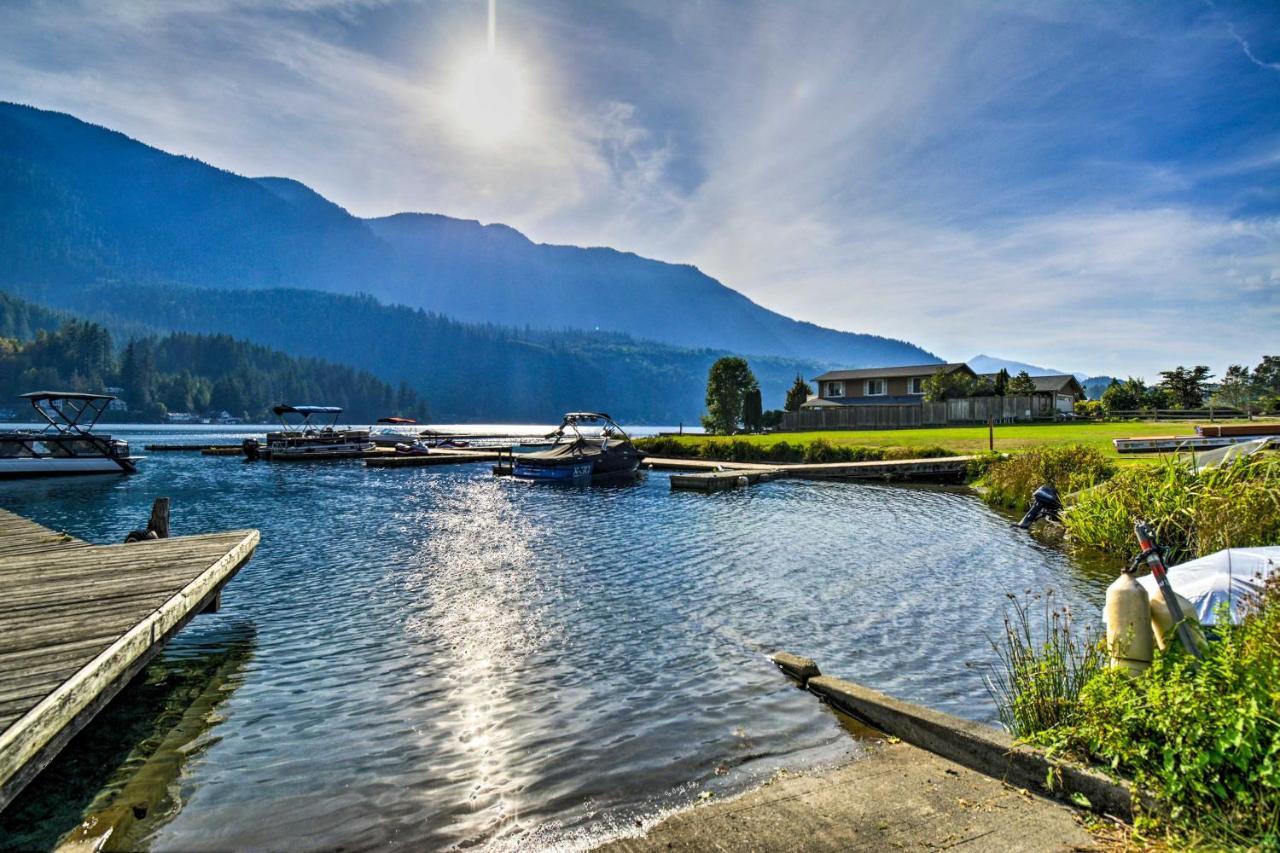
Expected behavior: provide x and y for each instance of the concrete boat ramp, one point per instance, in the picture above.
(78, 621)
(926, 781)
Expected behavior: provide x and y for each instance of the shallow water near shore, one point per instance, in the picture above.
(437, 657)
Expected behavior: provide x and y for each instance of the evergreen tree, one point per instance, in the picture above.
(753, 411)
(797, 394)
(1185, 388)
(1021, 385)
(1001, 386)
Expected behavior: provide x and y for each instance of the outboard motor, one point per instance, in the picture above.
(1044, 504)
(250, 448)
(119, 448)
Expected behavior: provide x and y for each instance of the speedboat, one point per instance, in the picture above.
(388, 435)
(67, 445)
(572, 457)
(302, 440)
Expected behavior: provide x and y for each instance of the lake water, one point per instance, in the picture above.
(436, 657)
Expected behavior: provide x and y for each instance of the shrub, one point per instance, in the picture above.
(1203, 736)
(1010, 482)
(1089, 408)
(1234, 505)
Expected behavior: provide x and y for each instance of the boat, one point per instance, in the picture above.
(388, 435)
(571, 457)
(67, 445)
(303, 440)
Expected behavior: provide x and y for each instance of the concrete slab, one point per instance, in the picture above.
(897, 797)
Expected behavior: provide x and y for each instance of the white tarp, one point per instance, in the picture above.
(1234, 575)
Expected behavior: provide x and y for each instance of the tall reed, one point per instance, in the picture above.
(1041, 668)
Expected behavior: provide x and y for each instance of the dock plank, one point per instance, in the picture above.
(78, 621)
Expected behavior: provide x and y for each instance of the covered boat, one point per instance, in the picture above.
(572, 457)
(1233, 576)
(388, 432)
(302, 440)
(67, 445)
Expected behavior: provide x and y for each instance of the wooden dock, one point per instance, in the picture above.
(189, 448)
(943, 468)
(453, 457)
(716, 481)
(78, 621)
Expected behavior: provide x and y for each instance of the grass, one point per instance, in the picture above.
(973, 439)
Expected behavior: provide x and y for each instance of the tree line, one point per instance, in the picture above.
(1251, 391)
(202, 374)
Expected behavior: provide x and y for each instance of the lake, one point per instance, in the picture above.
(436, 657)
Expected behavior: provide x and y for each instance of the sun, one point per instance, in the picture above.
(490, 98)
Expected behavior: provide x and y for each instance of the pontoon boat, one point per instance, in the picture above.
(67, 445)
(302, 440)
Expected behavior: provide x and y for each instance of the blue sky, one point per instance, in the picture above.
(1090, 186)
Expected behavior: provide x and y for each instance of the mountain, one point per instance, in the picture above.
(1095, 385)
(466, 372)
(83, 205)
(993, 364)
(179, 372)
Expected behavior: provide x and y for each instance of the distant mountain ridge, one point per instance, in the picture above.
(993, 364)
(82, 205)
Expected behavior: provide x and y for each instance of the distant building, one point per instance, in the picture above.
(1060, 390)
(117, 405)
(185, 418)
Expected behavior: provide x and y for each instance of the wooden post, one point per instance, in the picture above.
(159, 523)
(991, 432)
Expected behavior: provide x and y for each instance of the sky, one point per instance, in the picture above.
(1089, 186)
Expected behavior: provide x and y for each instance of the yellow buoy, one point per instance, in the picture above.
(1128, 617)
(1162, 621)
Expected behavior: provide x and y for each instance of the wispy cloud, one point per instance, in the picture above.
(1092, 187)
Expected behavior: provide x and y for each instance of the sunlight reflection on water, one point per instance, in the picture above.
(444, 658)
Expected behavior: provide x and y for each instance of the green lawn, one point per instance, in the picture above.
(974, 439)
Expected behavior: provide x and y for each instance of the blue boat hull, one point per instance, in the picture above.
(575, 472)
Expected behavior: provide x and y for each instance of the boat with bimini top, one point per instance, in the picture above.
(67, 445)
(572, 457)
(303, 440)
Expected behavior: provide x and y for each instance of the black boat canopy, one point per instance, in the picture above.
(307, 410)
(37, 396)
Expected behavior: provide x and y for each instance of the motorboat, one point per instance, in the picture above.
(388, 432)
(570, 456)
(301, 439)
(67, 445)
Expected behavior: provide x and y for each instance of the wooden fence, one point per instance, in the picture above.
(967, 410)
(1177, 414)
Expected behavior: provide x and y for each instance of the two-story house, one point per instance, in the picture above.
(877, 385)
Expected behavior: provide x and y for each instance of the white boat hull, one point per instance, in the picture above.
(46, 466)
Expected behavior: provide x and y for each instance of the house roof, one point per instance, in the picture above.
(891, 372)
(1051, 384)
(1060, 382)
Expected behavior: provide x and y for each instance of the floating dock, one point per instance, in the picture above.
(715, 481)
(943, 468)
(404, 460)
(78, 621)
(190, 448)
(1177, 443)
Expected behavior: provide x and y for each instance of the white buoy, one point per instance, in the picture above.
(743, 482)
(1128, 616)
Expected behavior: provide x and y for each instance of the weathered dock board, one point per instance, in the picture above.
(715, 481)
(455, 457)
(78, 621)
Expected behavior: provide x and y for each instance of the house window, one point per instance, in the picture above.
(835, 389)
(874, 388)
(915, 385)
